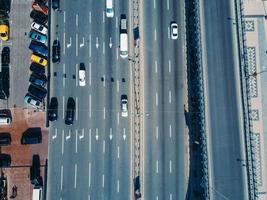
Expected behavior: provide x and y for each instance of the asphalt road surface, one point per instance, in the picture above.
(226, 142)
(91, 158)
(165, 156)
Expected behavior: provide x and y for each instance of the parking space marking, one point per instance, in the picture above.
(90, 140)
(62, 142)
(76, 141)
(77, 109)
(104, 146)
(89, 178)
(90, 106)
(61, 178)
(75, 175)
(63, 106)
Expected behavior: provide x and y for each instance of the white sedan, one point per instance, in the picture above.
(124, 105)
(174, 31)
(82, 81)
(39, 28)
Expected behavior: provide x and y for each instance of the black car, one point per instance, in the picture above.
(38, 79)
(55, 4)
(53, 109)
(36, 68)
(5, 139)
(32, 136)
(5, 160)
(70, 111)
(5, 55)
(56, 52)
(39, 17)
(35, 169)
(41, 2)
(37, 91)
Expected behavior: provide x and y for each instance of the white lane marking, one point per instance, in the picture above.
(82, 135)
(157, 132)
(118, 85)
(170, 96)
(90, 74)
(89, 178)
(64, 79)
(90, 49)
(68, 136)
(103, 180)
(96, 133)
(103, 16)
(82, 44)
(96, 43)
(104, 48)
(64, 17)
(77, 53)
(157, 166)
(77, 75)
(75, 176)
(62, 142)
(171, 196)
(118, 118)
(104, 146)
(64, 43)
(117, 22)
(76, 141)
(155, 34)
(117, 53)
(170, 131)
(90, 140)
(154, 4)
(90, 17)
(110, 42)
(118, 186)
(124, 133)
(118, 152)
(168, 5)
(77, 20)
(77, 108)
(170, 166)
(157, 101)
(170, 66)
(156, 66)
(104, 82)
(54, 136)
(89, 198)
(169, 32)
(63, 107)
(157, 197)
(110, 134)
(69, 45)
(61, 177)
(90, 106)
(104, 113)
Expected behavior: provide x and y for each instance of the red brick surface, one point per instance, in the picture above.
(21, 155)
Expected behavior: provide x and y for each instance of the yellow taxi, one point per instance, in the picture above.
(4, 32)
(39, 60)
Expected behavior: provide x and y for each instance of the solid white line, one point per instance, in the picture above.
(118, 152)
(90, 74)
(61, 178)
(90, 140)
(154, 3)
(170, 131)
(155, 34)
(64, 16)
(157, 99)
(104, 146)
(90, 17)
(170, 196)
(77, 108)
(157, 132)
(118, 186)
(77, 20)
(62, 142)
(103, 180)
(89, 198)
(170, 68)
(64, 43)
(157, 166)
(104, 48)
(103, 16)
(89, 178)
(170, 166)
(118, 118)
(157, 197)
(64, 79)
(90, 106)
(63, 106)
(168, 5)
(77, 75)
(118, 86)
(76, 44)
(156, 66)
(75, 175)
(76, 142)
(104, 113)
(170, 96)
(90, 49)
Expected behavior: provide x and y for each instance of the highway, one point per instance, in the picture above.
(165, 136)
(91, 158)
(224, 116)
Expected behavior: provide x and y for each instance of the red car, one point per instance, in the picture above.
(41, 8)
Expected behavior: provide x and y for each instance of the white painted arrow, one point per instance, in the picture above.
(82, 44)
(124, 135)
(110, 133)
(68, 136)
(96, 136)
(68, 45)
(82, 135)
(97, 45)
(110, 43)
(55, 136)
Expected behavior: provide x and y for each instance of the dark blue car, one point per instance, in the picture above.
(39, 48)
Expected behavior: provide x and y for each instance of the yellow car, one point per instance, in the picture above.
(39, 60)
(4, 34)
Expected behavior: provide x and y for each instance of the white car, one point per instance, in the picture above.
(82, 81)
(174, 31)
(124, 105)
(39, 28)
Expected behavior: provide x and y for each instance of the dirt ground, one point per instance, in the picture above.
(21, 155)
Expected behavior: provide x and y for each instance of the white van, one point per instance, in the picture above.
(37, 193)
(5, 119)
(123, 37)
(109, 8)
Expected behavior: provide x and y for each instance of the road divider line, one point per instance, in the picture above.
(157, 166)
(170, 166)
(77, 75)
(77, 45)
(62, 142)
(170, 131)
(156, 66)
(90, 106)
(104, 48)
(90, 49)
(76, 141)
(77, 109)
(64, 17)
(104, 146)
(155, 34)
(157, 100)
(170, 66)
(63, 106)
(90, 17)
(170, 96)
(77, 20)
(168, 5)
(171, 196)
(64, 43)
(118, 149)
(61, 177)
(157, 197)
(75, 175)
(90, 74)
(118, 186)
(104, 113)
(157, 132)
(90, 140)
(154, 4)
(64, 79)
(118, 118)
(103, 180)
(89, 176)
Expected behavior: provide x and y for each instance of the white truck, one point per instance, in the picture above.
(123, 37)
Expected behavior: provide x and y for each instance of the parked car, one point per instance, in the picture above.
(5, 160)
(35, 170)
(37, 91)
(38, 79)
(5, 139)
(55, 4)
(32, 136)
(174, 30)
(39, 17)
(36, 68)
(5, 57)
(70, 111)
(82, 81)
(39, 28)
(32, 101)
(56, 51)
(38, 47)
(38, 59)
(40, 7)
(37, 37)
(124, 105)
(53, 109)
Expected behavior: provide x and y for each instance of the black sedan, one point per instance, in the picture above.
(53, 109)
